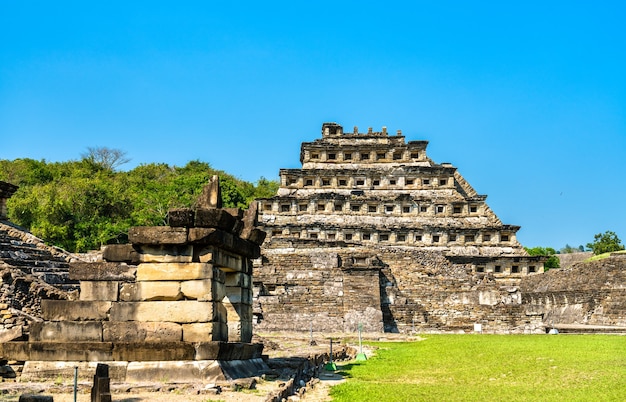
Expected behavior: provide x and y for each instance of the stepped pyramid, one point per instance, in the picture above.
(338, 225)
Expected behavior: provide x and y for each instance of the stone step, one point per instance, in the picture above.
(588, 329)
(130, 351)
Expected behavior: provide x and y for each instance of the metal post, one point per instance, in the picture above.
(360, 340)
(75, 383)
(330, 366)
(331, 350)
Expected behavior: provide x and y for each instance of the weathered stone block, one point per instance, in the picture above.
(233, 295)
(36, 398)
(250, 219)
(222, 313)
(120, 253)
(238, 227)
(151, 291)
(203, 290)
(74, 310)
(211, 196)
(243, 368)
(214, 218)
(130, 331)
(224, 351)
(157, 235)
(257, 236)
(165, 253)
(220, 258)
(204, 332)
(101, 271)
(180, 217)
(239, 331)
(236, 213)
(238, 312)
(219, 275)
(165, 311)
(238, 279)
(68, 351)
(174, 271)
(42, 370)
(175, 372)
(66, 331)
(153, 351)
(7, 335)
(236, 295)
(99, 290)
(15, 350)
(246, 296)
(225, 240)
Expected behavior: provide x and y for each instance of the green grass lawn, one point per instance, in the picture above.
(491, 368)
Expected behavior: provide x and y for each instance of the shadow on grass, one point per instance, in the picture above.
(344, 369)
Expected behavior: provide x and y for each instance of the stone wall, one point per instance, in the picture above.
(566, 260)
(395, 290)
(591, 293)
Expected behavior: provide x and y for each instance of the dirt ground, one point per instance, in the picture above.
(277, 346)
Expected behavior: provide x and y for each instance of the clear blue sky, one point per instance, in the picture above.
(527, 99)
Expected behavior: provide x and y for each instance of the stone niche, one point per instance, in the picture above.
(175, 303)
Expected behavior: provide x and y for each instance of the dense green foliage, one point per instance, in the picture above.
(490, 368)
(80, 205)
(551, 262)
(605, 243)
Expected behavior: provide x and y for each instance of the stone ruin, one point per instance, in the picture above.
(371, 231)
(30, 271)
(174, 304)
(585, 297)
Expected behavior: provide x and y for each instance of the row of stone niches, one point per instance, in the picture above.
(518, 269)
(439, 239)
(359, 207)
(367, 156)
(399, 182)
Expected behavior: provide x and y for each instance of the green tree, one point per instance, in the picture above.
(605, 243)
(551, 262)
(266, 188)
(81, 205)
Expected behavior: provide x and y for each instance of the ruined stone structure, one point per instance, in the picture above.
(30, 271)
(588, 296)
(370, 230)
(175, 304)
